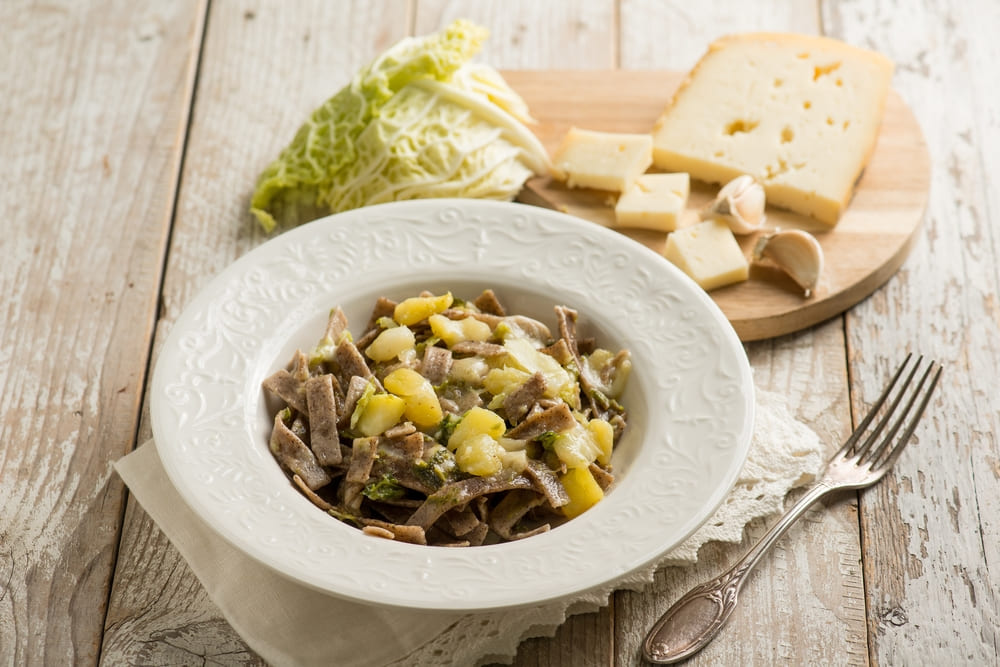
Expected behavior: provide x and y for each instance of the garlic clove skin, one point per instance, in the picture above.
(740, 203)
(797, 253)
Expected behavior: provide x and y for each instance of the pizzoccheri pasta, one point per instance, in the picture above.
(450, 422)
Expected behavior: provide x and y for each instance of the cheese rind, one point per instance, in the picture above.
(655, 201)
(708, 253)
(602, 160)
(800, 113)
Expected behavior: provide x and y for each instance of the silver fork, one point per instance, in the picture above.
(871, 450)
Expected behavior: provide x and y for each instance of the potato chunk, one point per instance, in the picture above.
(390, 344)
(578, 447)
(475, 442)
(422, 405)
(419, 308)
(379, 412)
(455, 331)
(475, 422)
(480, 455)
(604, 437)
(583, 490)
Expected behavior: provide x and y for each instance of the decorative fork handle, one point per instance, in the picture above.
(694, 620)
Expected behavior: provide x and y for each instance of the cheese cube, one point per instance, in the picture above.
(800, 113)
(709, 253)
(602, 160)
(656, 201)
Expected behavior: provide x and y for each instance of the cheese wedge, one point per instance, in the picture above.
(709, 253)
(656, 202)
(602, 160)
(800, 113)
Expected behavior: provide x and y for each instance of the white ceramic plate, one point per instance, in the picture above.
(690, 395)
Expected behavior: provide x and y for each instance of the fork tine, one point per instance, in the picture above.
(863, 426)
(887, 461)
(867, 452)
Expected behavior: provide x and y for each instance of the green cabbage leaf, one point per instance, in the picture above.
(420, 121)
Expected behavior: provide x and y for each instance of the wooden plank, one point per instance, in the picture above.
(929, 529)
(526, 34)
(672, 35)
(263, 69)
(802, 606)
(94, 101)
(868, 244)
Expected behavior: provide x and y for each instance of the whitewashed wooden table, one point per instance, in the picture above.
(131, 134)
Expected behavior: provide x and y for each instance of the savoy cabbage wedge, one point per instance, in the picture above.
(420, 121)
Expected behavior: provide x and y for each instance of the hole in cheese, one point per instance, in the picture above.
(772, 171)
(787, 134)
(741, 125)
(807, 105)
(823, 70)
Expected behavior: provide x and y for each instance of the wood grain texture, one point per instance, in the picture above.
(94, 99)
(527, 34)
(866, 247)
(263, 69)
(673, 35)
(159, 612)
(929, 531)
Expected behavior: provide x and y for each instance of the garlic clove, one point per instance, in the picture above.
(740, 203)
(796, 252)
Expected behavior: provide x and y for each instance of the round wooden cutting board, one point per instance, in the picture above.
(866, 247)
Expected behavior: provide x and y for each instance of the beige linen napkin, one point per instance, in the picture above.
(289, 624)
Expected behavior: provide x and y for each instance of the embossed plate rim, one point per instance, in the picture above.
(687, 441)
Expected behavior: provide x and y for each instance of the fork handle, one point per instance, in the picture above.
(694, 620)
